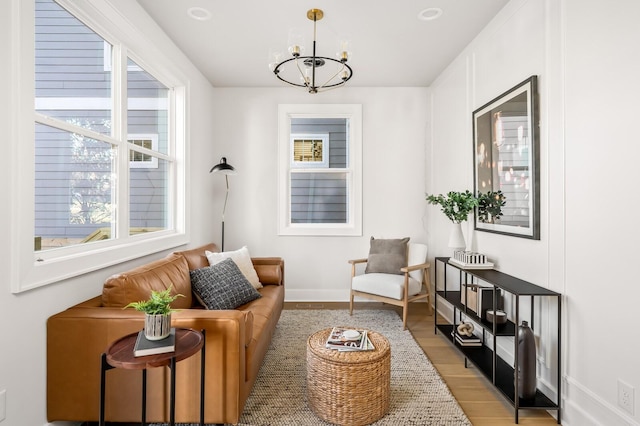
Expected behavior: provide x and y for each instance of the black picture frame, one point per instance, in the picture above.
(506, 158)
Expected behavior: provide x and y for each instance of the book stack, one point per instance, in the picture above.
(348, 340)
(464, 340)
(144, 346)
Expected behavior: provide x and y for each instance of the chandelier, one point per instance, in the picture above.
(315, 73)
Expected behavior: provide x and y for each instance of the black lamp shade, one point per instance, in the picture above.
(223, 167)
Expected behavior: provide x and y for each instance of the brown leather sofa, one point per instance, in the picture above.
(236, 343)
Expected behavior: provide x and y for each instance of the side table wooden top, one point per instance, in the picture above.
(120, 353)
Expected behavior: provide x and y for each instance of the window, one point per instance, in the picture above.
(107, 174)
(309, 150)
(140, 160)
(320, 182)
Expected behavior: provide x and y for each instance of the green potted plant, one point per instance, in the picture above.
(490, 206)
(157, 310)
(456, 206)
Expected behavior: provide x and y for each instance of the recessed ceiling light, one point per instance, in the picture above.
(199, 13)
(430, 14)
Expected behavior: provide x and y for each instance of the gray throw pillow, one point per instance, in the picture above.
(387, 256)
(222, 286)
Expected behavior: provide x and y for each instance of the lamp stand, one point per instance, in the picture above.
(224, 209)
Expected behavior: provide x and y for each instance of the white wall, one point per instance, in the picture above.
(394, 134)
(585, 57)
(23, 316)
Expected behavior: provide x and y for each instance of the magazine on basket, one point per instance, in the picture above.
(339, 341)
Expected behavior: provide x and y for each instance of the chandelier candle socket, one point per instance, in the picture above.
(315, 73)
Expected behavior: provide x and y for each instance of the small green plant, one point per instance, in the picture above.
(490, 206)
(157, 304)
(455, 205)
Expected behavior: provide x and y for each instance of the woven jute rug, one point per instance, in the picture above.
(419, 396)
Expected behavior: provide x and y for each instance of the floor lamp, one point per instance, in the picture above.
(226, 170)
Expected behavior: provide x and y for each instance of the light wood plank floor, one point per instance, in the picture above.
(484, 405)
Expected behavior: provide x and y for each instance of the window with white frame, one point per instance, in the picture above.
(320, 182)
(106, 174)
(309, 150)
(140, 159)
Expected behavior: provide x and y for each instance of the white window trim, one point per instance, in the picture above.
(353, 112)
(30, 270)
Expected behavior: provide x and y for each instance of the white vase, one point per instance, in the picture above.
(157, 327)
(456, 238)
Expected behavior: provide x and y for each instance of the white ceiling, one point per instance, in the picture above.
(391, 47)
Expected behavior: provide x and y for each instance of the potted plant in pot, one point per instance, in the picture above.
(157, 309)
(456, 206)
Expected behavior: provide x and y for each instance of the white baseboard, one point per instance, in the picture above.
(316, 295)
(320, 296)
(582, 407)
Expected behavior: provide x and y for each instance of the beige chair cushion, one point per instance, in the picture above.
(387, 285)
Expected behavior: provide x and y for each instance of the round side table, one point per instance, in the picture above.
(348, 388)
(120, 355)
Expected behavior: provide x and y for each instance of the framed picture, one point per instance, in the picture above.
(506, 156)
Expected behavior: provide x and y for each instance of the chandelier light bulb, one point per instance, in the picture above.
(294, 50)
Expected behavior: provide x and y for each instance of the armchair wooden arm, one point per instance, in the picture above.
(415, 267)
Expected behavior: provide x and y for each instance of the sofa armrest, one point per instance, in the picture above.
(270, 270)
(78, 336)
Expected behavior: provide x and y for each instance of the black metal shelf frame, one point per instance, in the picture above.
(486, 358)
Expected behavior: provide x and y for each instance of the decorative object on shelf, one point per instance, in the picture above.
(490, 206)
(456, 206)
(329, 72)
(226, 169)
(465, 329)
(526, 362)
(469, 296)
(499, 317)
(470, 260)
(157, 310)
(506, 157)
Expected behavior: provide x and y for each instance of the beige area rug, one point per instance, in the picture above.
(419, 396)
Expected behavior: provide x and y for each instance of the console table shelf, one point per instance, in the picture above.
(485, 357)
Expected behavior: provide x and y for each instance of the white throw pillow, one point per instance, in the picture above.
(242, 258)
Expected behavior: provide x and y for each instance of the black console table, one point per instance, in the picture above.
(486, 357)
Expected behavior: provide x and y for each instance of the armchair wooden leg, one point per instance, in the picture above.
(351, 303)
(405, 308)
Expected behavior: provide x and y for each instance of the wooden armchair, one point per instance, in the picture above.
(399, 290)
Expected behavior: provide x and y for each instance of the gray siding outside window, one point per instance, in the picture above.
(73, 174)
(320, 196)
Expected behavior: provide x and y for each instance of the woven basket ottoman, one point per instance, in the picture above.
(348, 388)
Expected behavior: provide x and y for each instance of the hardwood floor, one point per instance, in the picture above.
(482, 404)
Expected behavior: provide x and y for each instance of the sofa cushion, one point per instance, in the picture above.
(196, 257)
(222, 286)
(387, 256)
(242, 258)
(135, 285)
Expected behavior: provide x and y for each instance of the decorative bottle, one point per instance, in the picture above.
(526, 362)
